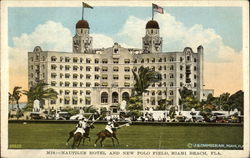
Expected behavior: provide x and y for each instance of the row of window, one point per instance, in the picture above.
(88, 84)
(88, 76)
(115, 68)
(115, 60)
(75, 101)
(105, 84)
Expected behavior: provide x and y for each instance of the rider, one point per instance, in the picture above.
(110, 127)
(81, 126)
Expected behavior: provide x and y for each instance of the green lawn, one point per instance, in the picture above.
(54, 136)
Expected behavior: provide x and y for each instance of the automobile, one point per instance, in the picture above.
(180, 118)
(219, 115)
(197, 118)
(233, 119)
(212, 119)
(62, 115)
(221, 120)
(36, 116)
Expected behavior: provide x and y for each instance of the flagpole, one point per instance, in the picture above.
(82, 12)
(152, 12)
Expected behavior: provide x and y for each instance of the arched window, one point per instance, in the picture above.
(125, 96)
(104, 97)
(115, 97)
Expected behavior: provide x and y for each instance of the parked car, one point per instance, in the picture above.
(219, 115)
(197, 118)
(233, 119)
(221, 120)
(62, 115)
(36, 116)
(180, 118)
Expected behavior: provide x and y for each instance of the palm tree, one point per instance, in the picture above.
(16, 94)
(41, 93)
(223, 102)
(11, 100)
(144, 78)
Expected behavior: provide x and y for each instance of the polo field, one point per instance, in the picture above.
(44, 135)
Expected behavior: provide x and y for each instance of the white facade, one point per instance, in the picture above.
(103, 77)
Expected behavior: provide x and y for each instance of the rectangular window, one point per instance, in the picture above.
(67, 59)
(115, 69)
(104, 77)
(66, 92)
(115, 77)
(66, 101)
(75, 76)
(97, 69)
(115, 60)
(75, 92)
(88, 84)
(127, 77)
(104, 84)
(75, 68)
(127, 69)
(75, 60)
(53, 67)
(67, 84)
(126, 84)
(105, 69)
(104, 61)
(67, 67)
(172, 67)
(74, 84)
(96, 61)
(171, 75)
(67, 75)
(53, 75)
(126, 61)
(87, 100)
(88, 76)
(74, 101)
(88, 60)
(88, 68)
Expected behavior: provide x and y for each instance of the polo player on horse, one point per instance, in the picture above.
(81, 126)
(110, 127)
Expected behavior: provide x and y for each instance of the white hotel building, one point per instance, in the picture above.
(103, 77)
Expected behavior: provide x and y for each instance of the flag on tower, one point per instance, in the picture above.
(157, 8)
(85, 5)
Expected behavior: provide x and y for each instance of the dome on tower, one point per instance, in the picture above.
(82, 24)
(152, 24)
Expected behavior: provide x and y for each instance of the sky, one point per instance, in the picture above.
(218, 29)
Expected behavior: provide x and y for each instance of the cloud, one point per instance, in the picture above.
(50, 36)
(102, 41)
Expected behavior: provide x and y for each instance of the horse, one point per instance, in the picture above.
(78, 137)
(104, 134)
